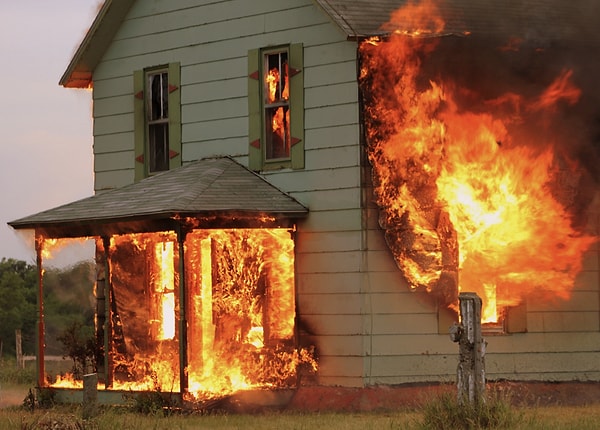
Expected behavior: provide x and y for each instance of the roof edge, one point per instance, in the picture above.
(97, 39)
(338, 19)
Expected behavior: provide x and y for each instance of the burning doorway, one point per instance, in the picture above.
(236, 315)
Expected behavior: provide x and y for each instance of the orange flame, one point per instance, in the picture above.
(164, 287)
(462, 189)
(278, 93)
(272, 80)
(240, 312)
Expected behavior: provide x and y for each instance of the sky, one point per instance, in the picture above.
(46, 129)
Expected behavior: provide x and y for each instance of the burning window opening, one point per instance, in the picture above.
(276, 105)
(468, 177)
(238, 312)
(158, 120)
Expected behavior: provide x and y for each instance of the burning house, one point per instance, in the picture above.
(294, 193)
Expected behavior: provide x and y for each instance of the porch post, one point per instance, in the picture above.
(40, 331)
(108, 298)
(183, 360)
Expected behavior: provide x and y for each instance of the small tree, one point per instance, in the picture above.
(79, 344)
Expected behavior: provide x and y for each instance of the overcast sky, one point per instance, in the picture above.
(46, 130)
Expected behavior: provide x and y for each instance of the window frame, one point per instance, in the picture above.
(257, 150)
(142, 102)
(156, 121)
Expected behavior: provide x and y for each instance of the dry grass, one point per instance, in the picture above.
(63, 417)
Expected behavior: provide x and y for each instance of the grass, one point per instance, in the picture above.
(584, 418)
(438, 413)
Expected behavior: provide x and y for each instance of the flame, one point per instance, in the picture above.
(240, 312)
(467, 188)
(67, 381)
(272, 81)
(242, 318)
(165, 289)
(416, 19)
(51, 248)
(277, 92)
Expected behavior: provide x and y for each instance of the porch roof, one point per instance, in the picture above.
(212, 192)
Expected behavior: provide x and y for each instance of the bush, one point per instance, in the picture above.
(79, 344)
(11, 374)
(445, 412)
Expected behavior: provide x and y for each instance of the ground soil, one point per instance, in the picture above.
(414, 395)
(12, 395)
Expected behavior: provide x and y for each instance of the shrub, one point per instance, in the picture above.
(445, 412)
(10, 373)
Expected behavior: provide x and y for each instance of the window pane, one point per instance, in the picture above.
(159, 96)
(276, 105)
(158, 147)
(276, 78)
(277, 132)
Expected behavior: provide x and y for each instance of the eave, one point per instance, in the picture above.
(91, 50)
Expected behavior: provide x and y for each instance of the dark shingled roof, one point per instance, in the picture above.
(213, 188)
(536, 20)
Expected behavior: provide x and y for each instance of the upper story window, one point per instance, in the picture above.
(276, 108)
(276, 94)
(157, 113)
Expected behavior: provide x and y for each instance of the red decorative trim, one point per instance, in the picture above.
(173, 154)
(255, 143)
(140, 158)
(139, 95)
(293, 72)
(172, 88)
(295, 140)
(253, 75)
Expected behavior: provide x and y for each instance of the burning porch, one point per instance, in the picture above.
(195, 292)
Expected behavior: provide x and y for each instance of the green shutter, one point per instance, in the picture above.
(174, 115)
(139, 125)
(296, 63)
(254, 111)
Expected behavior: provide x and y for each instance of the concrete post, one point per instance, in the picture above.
(90, 395)
(471, 365)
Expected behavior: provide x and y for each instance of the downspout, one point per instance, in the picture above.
(40, 331)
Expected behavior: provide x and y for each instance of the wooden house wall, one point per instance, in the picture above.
(211, 41)
(353, 304)
(408, 341)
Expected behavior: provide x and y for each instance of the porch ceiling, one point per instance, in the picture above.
(213, 192)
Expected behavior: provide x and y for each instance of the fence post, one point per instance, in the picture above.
(471, 365)
(19, 347)
(90, 395)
